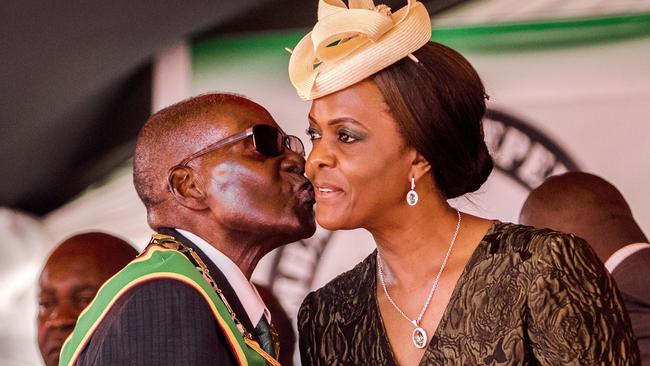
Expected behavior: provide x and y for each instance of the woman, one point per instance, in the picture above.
(396, 130)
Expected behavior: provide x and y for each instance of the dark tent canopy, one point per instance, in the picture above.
(76, 80)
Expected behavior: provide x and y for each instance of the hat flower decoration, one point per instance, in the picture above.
(348, 45)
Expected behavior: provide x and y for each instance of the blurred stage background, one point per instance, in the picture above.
(569, 86)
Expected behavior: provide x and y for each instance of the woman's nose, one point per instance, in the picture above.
(321, 156)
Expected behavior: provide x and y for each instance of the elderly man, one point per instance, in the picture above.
(592, 208)
(70, 279)
(223, 186)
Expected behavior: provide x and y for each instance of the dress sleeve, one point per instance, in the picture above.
(575, 312)
(306, 332)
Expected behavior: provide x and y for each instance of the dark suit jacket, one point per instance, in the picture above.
(632, 276)
(164, 322)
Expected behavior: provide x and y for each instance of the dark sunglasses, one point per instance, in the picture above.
(268, 141)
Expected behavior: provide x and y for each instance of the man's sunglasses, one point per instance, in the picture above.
(268, 141)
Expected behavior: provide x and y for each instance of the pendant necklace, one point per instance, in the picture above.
(419, 335)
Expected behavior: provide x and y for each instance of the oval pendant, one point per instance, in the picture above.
(419, 337)
(412, 198)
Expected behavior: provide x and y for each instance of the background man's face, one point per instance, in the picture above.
(66, 287)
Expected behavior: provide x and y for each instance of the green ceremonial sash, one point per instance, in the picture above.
(156, 262)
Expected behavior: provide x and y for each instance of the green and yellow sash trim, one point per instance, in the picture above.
(158, 262)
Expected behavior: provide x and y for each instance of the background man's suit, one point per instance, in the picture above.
(633, 282)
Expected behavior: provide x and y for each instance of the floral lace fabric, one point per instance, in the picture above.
(526, 297)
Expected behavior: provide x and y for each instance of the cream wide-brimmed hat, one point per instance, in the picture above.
(348, 45)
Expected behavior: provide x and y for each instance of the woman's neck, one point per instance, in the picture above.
(413, 247)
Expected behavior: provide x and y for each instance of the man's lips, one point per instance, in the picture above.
(306, 192)
(54, 351)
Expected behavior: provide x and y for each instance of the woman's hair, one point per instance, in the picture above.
(439, 103)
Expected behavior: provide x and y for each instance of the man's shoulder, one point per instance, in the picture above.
(156, 277)
(152, 318)
(632, 274)
(161, 291)
(157, 304)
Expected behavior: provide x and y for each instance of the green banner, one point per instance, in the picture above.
(484, 38)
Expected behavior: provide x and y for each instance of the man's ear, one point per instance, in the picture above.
(184, 184)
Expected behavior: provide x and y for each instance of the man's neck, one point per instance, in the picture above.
(245, 254)
(607, 239)
(243, 288)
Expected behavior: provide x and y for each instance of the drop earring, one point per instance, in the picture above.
(412, 195)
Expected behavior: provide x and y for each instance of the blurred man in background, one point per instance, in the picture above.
(592, 208)
(69, 281)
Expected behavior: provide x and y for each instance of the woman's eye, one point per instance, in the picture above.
(313, 134)
(346, 137)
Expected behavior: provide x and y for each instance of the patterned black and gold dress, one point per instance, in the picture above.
(526, 297)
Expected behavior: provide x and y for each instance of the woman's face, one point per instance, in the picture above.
(359, 163)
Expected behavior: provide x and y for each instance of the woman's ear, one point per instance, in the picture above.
(184, 184)
(419, 166)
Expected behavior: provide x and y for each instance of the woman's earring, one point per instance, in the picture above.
(412, 195)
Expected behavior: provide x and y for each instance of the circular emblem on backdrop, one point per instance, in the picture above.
(522, 153)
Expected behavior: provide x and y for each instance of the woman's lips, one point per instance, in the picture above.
(325, 192)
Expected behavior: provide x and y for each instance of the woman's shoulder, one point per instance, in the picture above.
(346, 290)
(508, 231)
(506, 234)
(537, 243)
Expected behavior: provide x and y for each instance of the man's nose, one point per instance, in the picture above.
(65, 315)
(292, 162)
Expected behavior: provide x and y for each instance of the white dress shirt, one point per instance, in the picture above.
(245, 290)
(620, 255)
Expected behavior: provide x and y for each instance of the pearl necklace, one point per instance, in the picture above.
(419, 335)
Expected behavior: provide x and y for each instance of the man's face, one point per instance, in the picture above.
(66, 286)
(252, 193)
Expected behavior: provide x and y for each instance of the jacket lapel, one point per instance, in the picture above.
(218, 277)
